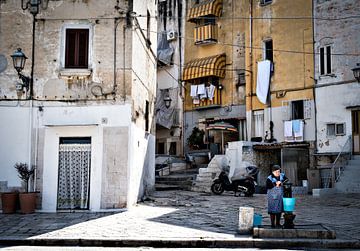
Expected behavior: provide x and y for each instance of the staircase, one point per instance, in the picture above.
(349, 181)
(177, 180)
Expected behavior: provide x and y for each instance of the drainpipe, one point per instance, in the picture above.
(251, 64)
(31, 97)
(315, 81)
(116, 23)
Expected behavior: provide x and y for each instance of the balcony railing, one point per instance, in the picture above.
(205, 34)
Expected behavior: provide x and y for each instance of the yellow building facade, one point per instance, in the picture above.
(281, 32)
(215, 59)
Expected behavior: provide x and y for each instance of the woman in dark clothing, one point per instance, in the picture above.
(275, 194)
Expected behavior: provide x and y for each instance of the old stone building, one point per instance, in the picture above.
(214, 72)
(85, 117)
(280, 81)
(169, 106)
(337, 92)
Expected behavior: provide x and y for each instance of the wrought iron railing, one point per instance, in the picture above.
(337, 168)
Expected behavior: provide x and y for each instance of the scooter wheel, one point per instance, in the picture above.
(250, 190)
(217, 188)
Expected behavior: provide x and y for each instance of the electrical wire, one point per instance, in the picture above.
(276, 50)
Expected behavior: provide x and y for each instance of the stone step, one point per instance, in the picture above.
(178, 177)
(357, 157)
(354, 162)
(186, 171)
(165, 187)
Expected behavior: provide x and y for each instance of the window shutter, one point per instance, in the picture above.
(307, 109)
(286, 110)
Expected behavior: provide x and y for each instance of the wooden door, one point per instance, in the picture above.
(356, 131)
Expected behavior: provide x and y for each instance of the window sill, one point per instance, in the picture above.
(327, 76)
(75, 72)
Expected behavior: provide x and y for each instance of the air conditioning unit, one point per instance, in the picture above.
(171, 35)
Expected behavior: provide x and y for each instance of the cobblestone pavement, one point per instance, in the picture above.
(181, 215)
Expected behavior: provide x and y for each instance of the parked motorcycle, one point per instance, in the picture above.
(245, 184)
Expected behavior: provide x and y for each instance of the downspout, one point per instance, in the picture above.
(315, 81)
(182, 91)
(124, 61)
(251, 64)
(31, 96)
(116, 23)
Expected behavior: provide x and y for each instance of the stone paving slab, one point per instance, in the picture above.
(183, 219)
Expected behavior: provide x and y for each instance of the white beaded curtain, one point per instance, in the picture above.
(74, 175)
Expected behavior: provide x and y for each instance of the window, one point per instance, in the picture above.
(268, 50)
(241, 79)
(76, 48)
(258, 123)
(265, 2)
(297, 109)
(147, 116)
(325, 60)
(334, 129)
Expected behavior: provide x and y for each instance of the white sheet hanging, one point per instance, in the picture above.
(211, 90)
(201, 89)
(193, 91)
(263, 80)
(288, 132)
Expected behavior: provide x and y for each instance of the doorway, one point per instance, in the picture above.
(74, 173)
(356, 131)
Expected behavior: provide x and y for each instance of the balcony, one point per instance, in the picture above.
(207, 103)
(206, 34)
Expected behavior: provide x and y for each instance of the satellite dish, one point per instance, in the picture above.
(3, 63)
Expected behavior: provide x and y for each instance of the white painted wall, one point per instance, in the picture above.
(51, 163)
(141, 164)
(332, 103)
(14, 136)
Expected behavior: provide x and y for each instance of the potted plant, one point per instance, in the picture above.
(9, 202)
(27, 199)
(196, 140)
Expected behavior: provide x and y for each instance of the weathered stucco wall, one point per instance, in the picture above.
(98, 102)
(339, 90)
(231, 41)
(292, 36)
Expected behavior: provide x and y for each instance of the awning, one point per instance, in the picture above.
(205, 67)
(205, 8)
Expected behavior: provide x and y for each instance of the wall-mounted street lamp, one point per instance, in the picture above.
(356, 72)
(167, 100)
(19, 60)
(33, 5)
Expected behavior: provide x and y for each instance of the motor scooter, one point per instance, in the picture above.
(244, 185)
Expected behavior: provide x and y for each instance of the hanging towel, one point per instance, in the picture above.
(193, 91)
(211, 90)
(201, 89)
(288, 128)
(300, 133)
(296, 125)
(263, 80)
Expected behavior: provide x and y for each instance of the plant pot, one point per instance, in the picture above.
(8, 201)
(27, 202)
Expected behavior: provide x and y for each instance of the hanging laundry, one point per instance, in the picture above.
(201, 89)
(211, 90)
(296, 125)
(193, 91)
(288, 129)
(263, 80)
